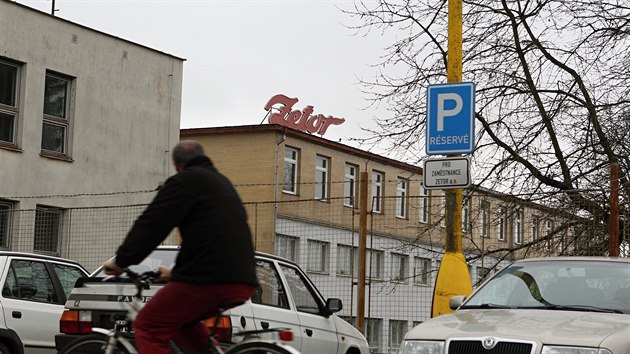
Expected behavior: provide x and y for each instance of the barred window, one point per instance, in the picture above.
(345, 260)
(318, 256)
(5, 222)
(397, 331)
(48, 226)
(286, 247)
(400, 267)
(421, 271)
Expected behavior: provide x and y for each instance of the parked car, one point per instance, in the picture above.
(558, 305)
(286, 298)
(34, 290)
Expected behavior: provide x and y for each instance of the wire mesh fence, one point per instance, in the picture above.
(404, 236)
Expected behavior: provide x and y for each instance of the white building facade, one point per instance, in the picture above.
(86, 119)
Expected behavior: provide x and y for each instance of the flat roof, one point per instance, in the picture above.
(303, 136)
(89, 28)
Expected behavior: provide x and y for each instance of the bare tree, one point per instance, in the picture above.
(552, 93)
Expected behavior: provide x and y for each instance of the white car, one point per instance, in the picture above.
(558, 305)
(286, 298)
(34, 290)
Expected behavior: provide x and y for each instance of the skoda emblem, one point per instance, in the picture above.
(489, 343)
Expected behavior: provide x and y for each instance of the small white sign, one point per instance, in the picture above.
(447, 173)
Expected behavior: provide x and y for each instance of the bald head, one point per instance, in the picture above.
(185, 151)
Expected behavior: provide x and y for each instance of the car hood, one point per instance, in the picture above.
(354, 336)
(545, 326)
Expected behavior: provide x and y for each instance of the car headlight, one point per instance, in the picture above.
(554, 349)
(422, 347)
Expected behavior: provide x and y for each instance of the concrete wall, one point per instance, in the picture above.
(124, 117)
(124, 112)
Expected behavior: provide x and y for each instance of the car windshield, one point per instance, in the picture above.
(165, 257)
(565, 285)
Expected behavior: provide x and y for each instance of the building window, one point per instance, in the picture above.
(318, 256)
(502, 223)
(535, 229)
(465, 215)
(348, 262)
(9, 81)
(286, 247)
(375, 263)
(374, 328)
(350, 185)
(289, 184)
(377, 191)
(548, 234)
(421, 271)
(48, 226)
(6, 209)
(321, 177)
(56, 121)
(561, 246)
(485, 219)
(401, 197)
(345, 260)
(517, 227)
(424, 205)
(397, 331)
(400, 268)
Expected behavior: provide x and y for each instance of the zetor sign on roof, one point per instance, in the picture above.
(301, 120)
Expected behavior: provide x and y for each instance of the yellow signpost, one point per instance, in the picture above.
(453, 277)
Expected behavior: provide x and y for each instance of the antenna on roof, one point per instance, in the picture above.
(53, 10)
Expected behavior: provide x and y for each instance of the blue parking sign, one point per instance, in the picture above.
(450, 118)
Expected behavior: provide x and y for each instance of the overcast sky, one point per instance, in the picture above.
(241, 53)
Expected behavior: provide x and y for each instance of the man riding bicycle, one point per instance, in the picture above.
(215, 266)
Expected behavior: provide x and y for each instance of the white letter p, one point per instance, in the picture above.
(443, 97)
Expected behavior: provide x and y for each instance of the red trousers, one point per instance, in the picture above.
(175, 312)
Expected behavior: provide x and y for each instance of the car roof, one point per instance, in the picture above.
(39, 256)
(575, 258)
(257, 253)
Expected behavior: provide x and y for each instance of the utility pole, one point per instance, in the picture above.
(363, 184)
(453, 277)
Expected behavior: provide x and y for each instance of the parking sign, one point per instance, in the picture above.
(451, 118)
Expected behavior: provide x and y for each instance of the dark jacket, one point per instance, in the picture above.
(216, 245)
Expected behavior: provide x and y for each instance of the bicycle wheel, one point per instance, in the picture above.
(254, 347)
(92, 344)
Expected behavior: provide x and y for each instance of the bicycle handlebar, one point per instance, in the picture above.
(148, 275)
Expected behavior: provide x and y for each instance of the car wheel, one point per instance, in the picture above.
(4, 349)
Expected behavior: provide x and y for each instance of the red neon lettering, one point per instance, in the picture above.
(303, 120)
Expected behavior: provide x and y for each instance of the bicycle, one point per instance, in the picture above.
(119, 340)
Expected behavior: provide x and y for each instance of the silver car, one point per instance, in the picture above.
(559, 305)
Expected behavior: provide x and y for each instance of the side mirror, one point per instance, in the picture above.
(333, 305)
(456, 301)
